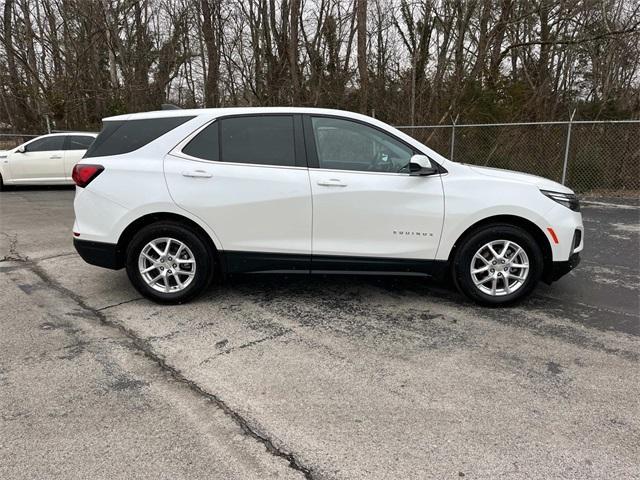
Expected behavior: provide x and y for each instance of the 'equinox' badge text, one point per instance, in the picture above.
(406, 233)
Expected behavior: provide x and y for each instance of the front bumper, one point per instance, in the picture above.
(104, 255)
(560, 269)
(566, 224)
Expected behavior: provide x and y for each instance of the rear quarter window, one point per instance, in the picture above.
(205, 144)
(124, 136)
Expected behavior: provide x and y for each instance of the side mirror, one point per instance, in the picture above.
(21, 149)
(421, 165)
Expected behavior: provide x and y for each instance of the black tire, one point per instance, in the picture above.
(477, 239)
(202, 254)
(1, 183)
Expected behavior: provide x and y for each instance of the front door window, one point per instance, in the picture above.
(347, 145)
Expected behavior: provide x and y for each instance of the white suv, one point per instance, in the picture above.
(180, 196)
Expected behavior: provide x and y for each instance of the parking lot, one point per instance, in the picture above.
(323, 377)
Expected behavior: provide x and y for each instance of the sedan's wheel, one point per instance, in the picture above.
(498, 264)
(169, 263)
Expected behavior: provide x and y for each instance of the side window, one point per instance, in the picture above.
(46, 144)
(205, 144)
(78, 142)
(263, 140)
(347, 145)
(124, 136)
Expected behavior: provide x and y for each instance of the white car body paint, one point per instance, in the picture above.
(49, 167)
(376, 214)
(297, 210)
(473, 194)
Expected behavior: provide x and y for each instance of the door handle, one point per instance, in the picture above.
(332, 182)
(197, 174)
(55, 157)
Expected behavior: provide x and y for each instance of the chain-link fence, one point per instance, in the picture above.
(587, 156)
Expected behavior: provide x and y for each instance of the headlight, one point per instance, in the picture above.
(569, 200)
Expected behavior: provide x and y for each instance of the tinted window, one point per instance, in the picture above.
(123, 136)
(265, 140)
(78, 142)
(205, 144)
(45, 144)
(347, 145)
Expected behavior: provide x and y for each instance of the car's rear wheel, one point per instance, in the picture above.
(498, 265)
(169, 263)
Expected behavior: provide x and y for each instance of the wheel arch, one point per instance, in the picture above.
(527, 225)
(128, 233)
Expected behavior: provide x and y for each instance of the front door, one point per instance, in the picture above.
(246, 177)
(368, 212)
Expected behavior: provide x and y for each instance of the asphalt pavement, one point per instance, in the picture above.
(322, 377)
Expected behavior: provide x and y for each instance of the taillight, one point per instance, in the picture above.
(83, 174)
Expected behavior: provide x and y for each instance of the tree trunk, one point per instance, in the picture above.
(361, 26)
(210, 20)
(293, 51)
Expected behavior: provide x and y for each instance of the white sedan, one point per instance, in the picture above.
(45, 160)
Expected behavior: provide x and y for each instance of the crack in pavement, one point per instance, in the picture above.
(145, 347)
(51, 257)
(248, 344)
(118, 304)
(14, 255)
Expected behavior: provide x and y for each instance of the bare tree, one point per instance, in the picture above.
(412, 61)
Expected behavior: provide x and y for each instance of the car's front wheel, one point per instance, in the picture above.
(169, 263)
(498, 265)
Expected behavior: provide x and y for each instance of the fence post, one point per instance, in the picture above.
(453, 136)
(566, 149)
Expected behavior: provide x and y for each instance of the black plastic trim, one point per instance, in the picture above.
(577, 238)
(310, 142)
(299, 145)
(252, 262)
(107, 255)
(326, 263)
(101, 254)
(560, 269)
(247, 262)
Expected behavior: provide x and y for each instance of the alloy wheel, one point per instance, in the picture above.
(167, 265)
(499, 268)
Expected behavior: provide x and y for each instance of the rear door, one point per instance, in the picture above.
(74, 148)
(246, 177)
(41, 162)
(368, 212)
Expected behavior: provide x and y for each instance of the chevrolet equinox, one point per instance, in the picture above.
(179, 196)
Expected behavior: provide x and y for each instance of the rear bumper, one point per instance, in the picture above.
(560, 269)
(104, 255)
